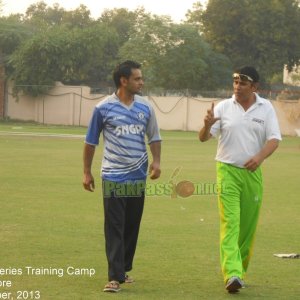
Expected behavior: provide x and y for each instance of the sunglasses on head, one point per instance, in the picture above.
(241, 77)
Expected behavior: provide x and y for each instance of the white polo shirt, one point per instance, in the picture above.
(242, 134)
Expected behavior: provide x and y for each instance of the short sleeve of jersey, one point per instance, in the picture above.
(95, 128)
(272, 126)
(152, 129)
(215, 129)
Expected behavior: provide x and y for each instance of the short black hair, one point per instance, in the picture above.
(124, 69)
(249, 71)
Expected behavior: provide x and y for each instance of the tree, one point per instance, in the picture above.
(194, 15)
(122, 20)
(42, 16)
(72, 56)
(261, 33)
(192, 64)
(175, 56)
(148, 43)
(80, 17)
(13, 32)
(70, 47)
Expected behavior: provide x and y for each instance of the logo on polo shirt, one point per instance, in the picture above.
(262, 122)
(119, 117)
(141, 115)
(129, 129)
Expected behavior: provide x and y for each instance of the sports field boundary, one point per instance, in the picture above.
(55, 135)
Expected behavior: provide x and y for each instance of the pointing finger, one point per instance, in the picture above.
(212, 109)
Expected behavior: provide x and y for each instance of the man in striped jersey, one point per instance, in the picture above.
(124, 118)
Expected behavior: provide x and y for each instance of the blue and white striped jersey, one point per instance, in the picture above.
(124, 129)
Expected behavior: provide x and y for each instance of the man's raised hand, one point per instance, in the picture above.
(210, 119)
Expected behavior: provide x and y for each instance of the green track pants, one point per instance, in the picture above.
(239, 200)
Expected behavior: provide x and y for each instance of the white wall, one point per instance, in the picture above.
(73, 105)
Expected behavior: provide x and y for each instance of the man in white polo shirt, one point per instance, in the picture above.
(248, 133)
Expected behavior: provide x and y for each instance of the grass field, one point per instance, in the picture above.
(49, 221)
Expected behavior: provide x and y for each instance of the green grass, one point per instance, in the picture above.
(48, 220)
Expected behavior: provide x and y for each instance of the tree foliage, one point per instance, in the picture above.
(13, 32)
(122, 20)
(72, 56)
(49, 44)
(175, 56)
(42, 16)
(261, 33)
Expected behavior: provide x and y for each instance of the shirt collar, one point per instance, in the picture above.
(258, 99)
(114, 95)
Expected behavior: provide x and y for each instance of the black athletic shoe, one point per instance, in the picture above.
(234, 284)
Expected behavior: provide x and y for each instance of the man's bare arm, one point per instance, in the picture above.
(88, 179)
